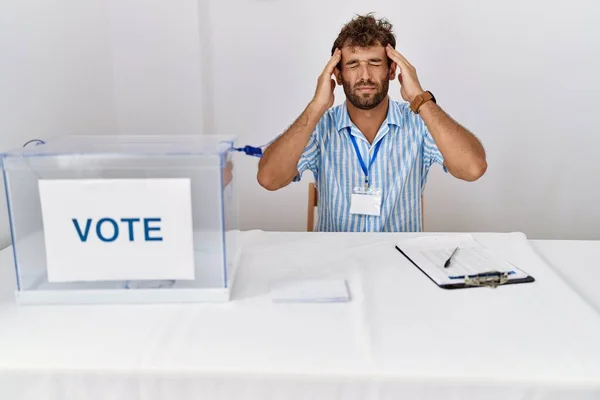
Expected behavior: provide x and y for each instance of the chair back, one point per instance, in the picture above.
(312, 204)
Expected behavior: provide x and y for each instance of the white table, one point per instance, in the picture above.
(577, 262)
(400, 336)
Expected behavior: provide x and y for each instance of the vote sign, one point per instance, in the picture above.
(117, 229)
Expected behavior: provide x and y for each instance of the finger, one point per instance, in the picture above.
(332, 85)
(396, 56)
(333, 61)
(396, 53)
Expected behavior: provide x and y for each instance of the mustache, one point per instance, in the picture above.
(365, 84)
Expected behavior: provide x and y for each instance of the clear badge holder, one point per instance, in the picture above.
(366, 201)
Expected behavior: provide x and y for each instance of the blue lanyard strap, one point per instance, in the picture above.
(360, 159)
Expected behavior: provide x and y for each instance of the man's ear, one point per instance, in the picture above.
(338, 75)
(393, 67)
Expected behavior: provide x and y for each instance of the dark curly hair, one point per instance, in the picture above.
(365, 31)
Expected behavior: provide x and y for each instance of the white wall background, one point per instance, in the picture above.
(96, 67)
(522, 75)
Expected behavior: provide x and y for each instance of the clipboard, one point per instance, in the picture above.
(502, 272)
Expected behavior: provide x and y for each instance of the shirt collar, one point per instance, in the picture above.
(394, 116)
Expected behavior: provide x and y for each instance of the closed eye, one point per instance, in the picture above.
(376, 62)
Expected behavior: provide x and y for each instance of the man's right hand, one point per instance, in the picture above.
(324, 96)
(279, 164)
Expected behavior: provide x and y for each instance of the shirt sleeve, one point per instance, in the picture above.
(311, 156)
(431, 154)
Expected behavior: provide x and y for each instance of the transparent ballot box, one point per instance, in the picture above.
(120, 219)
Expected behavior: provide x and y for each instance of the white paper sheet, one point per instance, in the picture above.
(117, 229)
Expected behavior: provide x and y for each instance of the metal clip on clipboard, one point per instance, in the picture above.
(489, 279)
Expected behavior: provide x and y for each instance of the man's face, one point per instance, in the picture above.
(365, 75)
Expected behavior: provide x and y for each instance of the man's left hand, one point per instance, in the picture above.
(409, 83)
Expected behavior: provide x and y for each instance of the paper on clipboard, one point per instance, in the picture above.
(470, 259)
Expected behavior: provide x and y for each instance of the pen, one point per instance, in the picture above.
(447, 263)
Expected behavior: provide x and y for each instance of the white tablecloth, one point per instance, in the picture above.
(400, 336)
(577, 262)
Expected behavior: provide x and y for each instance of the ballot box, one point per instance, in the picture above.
(123, 219)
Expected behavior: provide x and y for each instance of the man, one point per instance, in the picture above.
(370, 155)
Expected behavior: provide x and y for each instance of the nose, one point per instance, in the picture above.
(365, 73)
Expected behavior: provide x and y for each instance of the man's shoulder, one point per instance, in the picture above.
(400, 111)
(330, 121)
(400, 106)
(334, 113)
(402, 114)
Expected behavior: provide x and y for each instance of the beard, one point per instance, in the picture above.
(366, 101)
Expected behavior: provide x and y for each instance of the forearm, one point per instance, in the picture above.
(464, 156)
(279, 163)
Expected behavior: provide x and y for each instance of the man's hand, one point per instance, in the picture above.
(463, 154)
(324, 96)
(409, 83)
(279, 164)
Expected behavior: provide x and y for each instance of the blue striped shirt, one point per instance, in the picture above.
(406, 153)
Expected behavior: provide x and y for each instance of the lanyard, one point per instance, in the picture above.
(360, 159)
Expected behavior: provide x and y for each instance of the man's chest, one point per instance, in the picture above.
(349, 165)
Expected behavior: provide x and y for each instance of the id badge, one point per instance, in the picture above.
(366, 201)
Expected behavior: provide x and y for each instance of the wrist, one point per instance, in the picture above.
(421, 100)
(316, 108)
(426, 107)
(414, 95)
